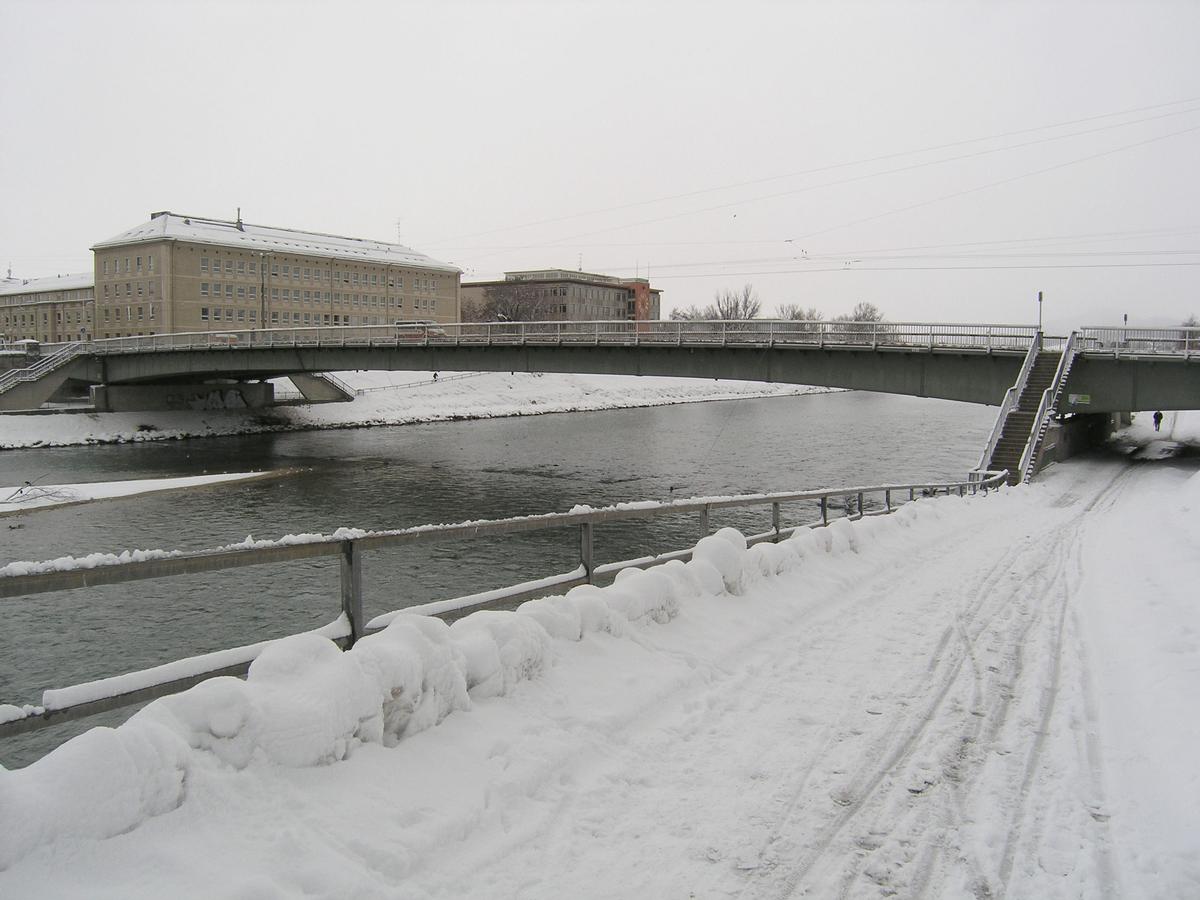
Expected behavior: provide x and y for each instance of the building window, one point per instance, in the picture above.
(241, 313)
(241, 292)
(274, 317)
(229, 291)
(204, 289)
(229, 267)
(241, 267)
(150, 261)
(253, 292)
(228, 315)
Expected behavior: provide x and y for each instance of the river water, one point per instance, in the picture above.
(391, 477)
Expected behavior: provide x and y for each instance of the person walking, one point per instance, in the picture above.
(1158, 420)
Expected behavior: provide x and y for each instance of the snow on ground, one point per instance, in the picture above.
(391, 398)
(19, 498)
(978, 697)
(1177, 431)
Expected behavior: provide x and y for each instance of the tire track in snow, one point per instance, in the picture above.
(885, 758)
(884, 781)
(1068, 545)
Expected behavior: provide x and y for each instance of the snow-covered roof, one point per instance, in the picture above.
(73, 282)
(173, 227)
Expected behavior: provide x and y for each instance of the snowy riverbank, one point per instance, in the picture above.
(391, 398)
(21, 498)
(976, 696)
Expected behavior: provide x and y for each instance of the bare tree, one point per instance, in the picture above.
(862, 312)
(863, 319)
(743, 304)
(513, 302)
(797, 313)
(805, 320)
(689, 312)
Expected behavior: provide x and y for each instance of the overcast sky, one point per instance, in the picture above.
(944, 161)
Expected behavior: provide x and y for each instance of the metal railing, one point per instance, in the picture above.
(1047, 408)
(63, 354)
(685, 333)
(1008, 403)
(349, 546)
(1183, 341)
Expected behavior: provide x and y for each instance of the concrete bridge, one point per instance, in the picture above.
(1113, 369)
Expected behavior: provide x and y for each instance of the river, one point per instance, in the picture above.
(389, 477)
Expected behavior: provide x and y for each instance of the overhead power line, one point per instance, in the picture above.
(441, 243)
(855, 268)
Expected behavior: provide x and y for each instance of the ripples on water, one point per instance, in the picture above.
(392, 477)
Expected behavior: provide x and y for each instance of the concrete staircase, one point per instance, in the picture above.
(1019, 423)
(32, 386)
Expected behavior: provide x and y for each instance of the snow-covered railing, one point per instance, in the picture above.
(21, 579)
(981, 338)
(1047, 407)
(1010, 401)
(1183, 341)
(62, 355)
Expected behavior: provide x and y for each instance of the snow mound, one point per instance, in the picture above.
(306, 703)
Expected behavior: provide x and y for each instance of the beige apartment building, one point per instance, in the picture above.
(58, 308)
(180, 273)
(565, 295)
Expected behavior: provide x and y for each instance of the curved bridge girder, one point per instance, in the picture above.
(973, 377)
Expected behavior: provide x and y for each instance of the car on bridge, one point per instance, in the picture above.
(418, 331)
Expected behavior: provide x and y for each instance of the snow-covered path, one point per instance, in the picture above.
(986, 697)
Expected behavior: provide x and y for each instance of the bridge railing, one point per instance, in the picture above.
(687, 332)
(349, 546)
(1183, 341)
(1007, 405)
(60, 355)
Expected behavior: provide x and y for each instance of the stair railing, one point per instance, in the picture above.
(1046, 409)
(41, 368)
(1007, 405)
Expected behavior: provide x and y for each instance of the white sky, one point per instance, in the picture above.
(466, 121)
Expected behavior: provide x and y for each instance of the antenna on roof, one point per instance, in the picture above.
(239, 220)
(399, 237)
(581, 262)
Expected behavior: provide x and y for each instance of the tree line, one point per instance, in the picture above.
(745, 304)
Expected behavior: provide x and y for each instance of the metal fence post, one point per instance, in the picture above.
(775, 521)
(586, 555)
(352, 608)
(704, 522)
(824, 510)
(912, 494)
(887, 500)
(860, 504)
